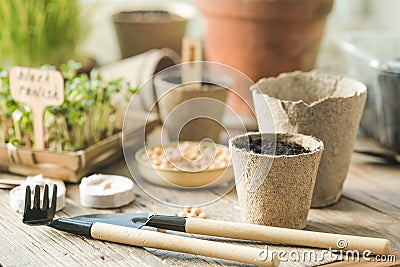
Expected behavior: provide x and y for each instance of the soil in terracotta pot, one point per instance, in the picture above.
(147, 16)
(278, 148)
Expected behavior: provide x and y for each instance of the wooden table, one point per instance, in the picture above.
(370, 206)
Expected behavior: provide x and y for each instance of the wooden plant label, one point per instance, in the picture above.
(38, 89)
(191, 52)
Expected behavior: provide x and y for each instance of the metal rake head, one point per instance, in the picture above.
(36, 215)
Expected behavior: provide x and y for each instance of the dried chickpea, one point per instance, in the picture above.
(151, 155)
(157, 150)
(163, 165)
(161, 230)
(156, 162)
(202, 215)
(187, 208)
(106, 185)
(196, 211)
(188, 155)
(192, 215)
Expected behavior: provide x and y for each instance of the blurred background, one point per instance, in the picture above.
(94, 35)
(358, 38)
(345, 16)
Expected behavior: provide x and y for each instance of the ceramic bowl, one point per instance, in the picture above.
(172, 177)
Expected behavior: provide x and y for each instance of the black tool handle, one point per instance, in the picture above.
(72, 226)
(174, 223)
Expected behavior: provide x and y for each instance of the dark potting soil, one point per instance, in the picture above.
(271, 148)
(178, 80)
(147, 16)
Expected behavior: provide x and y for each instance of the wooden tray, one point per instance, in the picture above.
(69, 166)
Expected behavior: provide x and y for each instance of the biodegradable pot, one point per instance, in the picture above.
(195, 104)
(275, 190)
(263, 38)
(152, 26)
(323, 106)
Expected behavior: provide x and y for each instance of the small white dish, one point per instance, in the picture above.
(106, 191)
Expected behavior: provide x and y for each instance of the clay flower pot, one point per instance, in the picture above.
(189, 112)
(323, 106)
(144, 26)
(263, 38)
(275, 176)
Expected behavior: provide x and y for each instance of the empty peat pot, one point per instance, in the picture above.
(319, 105)
(275, 176)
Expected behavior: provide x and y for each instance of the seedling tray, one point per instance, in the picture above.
(68, 166)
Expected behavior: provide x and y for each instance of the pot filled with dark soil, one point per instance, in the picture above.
(275, 176)
(319, 105)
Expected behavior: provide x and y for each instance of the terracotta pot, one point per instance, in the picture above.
(145, 26)
(275, 190)
(323, 106)
(263, 38)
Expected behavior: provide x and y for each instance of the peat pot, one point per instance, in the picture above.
(275, 176)
(319, 105)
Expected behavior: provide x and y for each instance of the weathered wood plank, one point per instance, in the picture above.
(370, 207)
(374, 184)
(27, 245)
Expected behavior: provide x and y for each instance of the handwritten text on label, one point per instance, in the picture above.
(31, 85)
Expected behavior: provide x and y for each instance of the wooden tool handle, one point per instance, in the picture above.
(38, 113)
(150, 239)
(287, 236)
(191, 52)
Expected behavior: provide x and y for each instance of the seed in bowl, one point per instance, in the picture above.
(188, 156)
